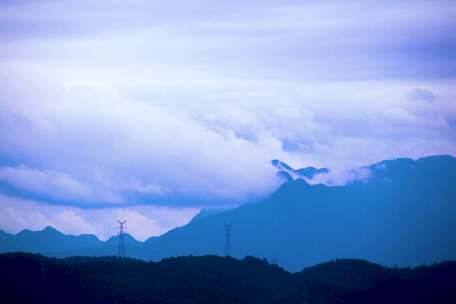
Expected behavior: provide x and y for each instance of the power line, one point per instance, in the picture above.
(227, 239)
(121, 246)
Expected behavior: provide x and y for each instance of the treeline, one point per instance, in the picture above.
(28, 278)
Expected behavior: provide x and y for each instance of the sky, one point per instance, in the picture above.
(152, 110)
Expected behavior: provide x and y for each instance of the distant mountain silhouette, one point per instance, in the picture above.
(46, 241)
(51, 242)
(289, 174)
(402, 215)
(28, 278)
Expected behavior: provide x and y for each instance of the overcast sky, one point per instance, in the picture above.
(151, 110)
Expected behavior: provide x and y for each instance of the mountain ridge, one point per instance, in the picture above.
(300, 224)
(288, 173)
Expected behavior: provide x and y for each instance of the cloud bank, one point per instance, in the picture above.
(110, 106)
(142, 221)
(91, 147)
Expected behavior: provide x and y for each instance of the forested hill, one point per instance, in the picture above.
(29, 278)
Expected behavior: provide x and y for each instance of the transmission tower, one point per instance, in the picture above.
(121, 247)
(227, 239)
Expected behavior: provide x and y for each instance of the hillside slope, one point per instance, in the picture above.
(402, 215)
(213, 279)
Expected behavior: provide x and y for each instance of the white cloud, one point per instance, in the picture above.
(55, 184)
(119, 146)
(342, 176)
(159, 41)
(143, 222)
(151, 102)
(93, 145)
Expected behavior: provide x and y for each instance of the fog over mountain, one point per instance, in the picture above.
(200, 151)
(379, 218)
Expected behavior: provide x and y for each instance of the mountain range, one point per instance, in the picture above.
(402, 214)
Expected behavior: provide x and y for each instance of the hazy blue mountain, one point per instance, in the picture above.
(6, 242)
(46, 241)
(404, 214)
(206, 212)
(51, 242)
(133, 248)
(288, 173)
(310, 172)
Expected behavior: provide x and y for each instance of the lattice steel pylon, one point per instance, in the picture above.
(121, 246)
(227, 239)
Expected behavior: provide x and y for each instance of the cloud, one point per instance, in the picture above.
(59, 187)
(143, 222)
(280, 40)
(55, 184)
(90, 146)
(422, 95)
(340, 177)
(139, 152)
(107, 104)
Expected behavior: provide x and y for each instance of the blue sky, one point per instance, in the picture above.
(155, 109)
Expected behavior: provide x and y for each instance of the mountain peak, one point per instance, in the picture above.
(288, 173)
(280, 165)
(50, 229)
(127, 237)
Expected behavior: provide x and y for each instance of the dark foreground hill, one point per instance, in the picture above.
(28, 278)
